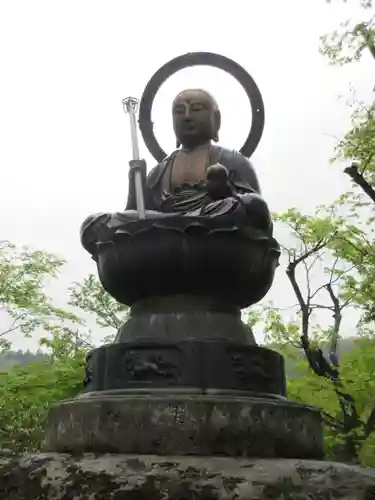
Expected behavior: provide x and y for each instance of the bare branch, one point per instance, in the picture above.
(368, 38)
(319, 289)
(308, 282)
(337, 316)
(304, 304)
(332, 280)
(14, 326)
(305, 311)
(333, 268)
(314, 261)
(116, 323)
(369, 426)
(358, 178)
(321, 306)
(331, 421)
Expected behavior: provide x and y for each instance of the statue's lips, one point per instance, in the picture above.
(189, 128)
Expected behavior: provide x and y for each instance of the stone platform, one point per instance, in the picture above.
(185, 424)
(130, 477)
(184, 377)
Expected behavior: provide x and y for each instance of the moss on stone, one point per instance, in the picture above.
(125, 477)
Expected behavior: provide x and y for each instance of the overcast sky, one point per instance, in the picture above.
(66, 65)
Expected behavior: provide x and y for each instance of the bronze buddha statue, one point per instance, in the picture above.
(201, 179)
(203, 212)
(186, 256)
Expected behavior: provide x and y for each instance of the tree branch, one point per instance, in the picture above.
(358, 178)
(304, 305)
(116, 323)
(331, 421)
(368, 39)
(14, 326)
(337, 316)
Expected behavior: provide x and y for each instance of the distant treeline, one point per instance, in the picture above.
(12, 358)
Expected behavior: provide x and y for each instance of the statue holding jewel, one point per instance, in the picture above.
(201, 188)
(192, 248)
(200, 179)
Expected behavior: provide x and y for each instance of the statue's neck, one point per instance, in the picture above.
(191, 149)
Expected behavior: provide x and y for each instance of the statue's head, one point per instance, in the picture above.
(196, 118)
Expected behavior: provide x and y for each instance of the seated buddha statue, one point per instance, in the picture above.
(200, 179)
(203, 192)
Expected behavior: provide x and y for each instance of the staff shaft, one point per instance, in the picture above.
(130, 106)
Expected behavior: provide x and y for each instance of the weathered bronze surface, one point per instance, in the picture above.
(203, 213)
(190, 366)
(184, 375)
(223, 63)
(181, 256)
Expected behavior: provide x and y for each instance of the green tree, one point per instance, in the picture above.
(90, 297)
(27, 392)
(345, 45)
(357, 149)
(24, 274)
(351, 39)
(323, 256)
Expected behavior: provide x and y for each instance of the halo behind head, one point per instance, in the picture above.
(201, 59)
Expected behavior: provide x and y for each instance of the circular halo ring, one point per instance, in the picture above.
(201, 59)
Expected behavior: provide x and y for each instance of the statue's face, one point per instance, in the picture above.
(194, 118)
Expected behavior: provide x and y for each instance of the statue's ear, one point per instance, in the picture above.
(216, 125)
(178, 144)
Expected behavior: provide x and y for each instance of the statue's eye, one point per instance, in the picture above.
(178, 110)
(197, 107)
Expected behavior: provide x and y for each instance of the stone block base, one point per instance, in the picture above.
(116, 477)
(185, 425)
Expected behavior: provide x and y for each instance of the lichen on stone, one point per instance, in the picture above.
(145, 477)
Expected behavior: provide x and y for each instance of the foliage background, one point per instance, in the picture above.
(331, 250)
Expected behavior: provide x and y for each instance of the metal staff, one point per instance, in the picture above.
(130, 105)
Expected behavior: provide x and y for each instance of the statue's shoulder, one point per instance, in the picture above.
(230, 157)
(155, 174)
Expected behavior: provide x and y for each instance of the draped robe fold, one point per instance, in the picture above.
(177, 184)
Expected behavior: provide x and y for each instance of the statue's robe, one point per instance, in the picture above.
(177, 183)
(177, 186)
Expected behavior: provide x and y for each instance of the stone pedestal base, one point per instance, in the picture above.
(185, 366)
(115, 477)
(184, 318)
(185, 425)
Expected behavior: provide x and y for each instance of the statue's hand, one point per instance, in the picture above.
(217, 182)
(137, 169)
(137, 166)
